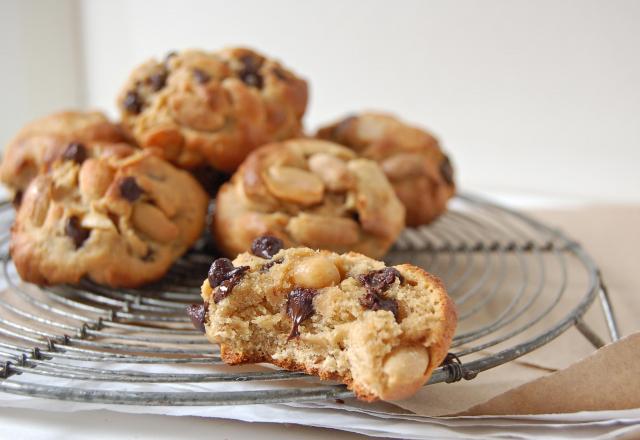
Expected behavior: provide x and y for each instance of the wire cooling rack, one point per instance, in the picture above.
(517, 284)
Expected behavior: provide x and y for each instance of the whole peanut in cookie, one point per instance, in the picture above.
(421, 174)
(308, 192)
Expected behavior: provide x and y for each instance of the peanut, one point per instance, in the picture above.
(152, 222)
(316, 272)
(402, 166)
(95, 177)
(405, 369)
(294, 185)
(332, 170)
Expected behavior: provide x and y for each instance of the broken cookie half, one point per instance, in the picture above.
(380, 330)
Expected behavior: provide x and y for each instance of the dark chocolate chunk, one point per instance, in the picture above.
(268, 265)
(76, 152)
(129, 189)
(198, 314)
(133, 102)
(158, 80)
(375, 302)
(376, 283)
(250, 72)
(266, 246)
(223, 277)
(17, 199)
(201, 76)
(77, 233)
(446, 170)
(218, 271)
(299, 308)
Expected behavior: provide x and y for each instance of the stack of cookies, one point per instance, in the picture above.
(118, 203)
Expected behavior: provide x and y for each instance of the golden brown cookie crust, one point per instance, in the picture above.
(377, 355)
(117, 215)
(311, 193)
(42, 141)
(200, 108)
(412, 159)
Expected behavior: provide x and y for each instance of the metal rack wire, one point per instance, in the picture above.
(517, 283)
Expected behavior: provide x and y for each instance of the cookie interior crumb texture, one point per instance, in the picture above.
(316, 311)
(113, 213)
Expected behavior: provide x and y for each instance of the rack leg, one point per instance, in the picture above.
(588, 333)
(612, 324)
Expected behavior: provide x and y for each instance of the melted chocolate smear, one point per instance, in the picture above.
(268, 265)
(129, 189)
(223, 277)
(299, 308)
(376, 283)
(76, 232)
(132, 102)
(76, 152)
(198, 315)
(201, 76)
(249, 73)
(446, 170)
(266, 246)
(158, 80)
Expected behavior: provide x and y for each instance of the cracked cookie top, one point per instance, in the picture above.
(113, 213)
(421, 174)
(200, 108)
(42, 141)
(308, 192)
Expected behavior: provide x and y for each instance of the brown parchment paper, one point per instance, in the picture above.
(609, 233)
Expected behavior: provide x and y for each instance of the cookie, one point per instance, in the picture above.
(117, 215)
(421, 174)
(44, 140)
(199, 109)
(380, 330)
(308, 192)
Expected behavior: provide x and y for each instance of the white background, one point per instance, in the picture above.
(541, 97)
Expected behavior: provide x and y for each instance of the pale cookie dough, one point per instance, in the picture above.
(117, 215)
(421, 174)
(381, 331)
(311, 193)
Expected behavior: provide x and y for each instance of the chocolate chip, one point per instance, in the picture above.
(201, 76)
(76, 152)
(376, 283)
(299, 308)
(198, 314)
(129, 189)
(17, 199)
(218, 271)
(266, 246)
(375, 302)
(132, 102)
(267, 266)
(250, 72)
(77, 233)
(158, 80)
(223, 277)
(446, 170)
